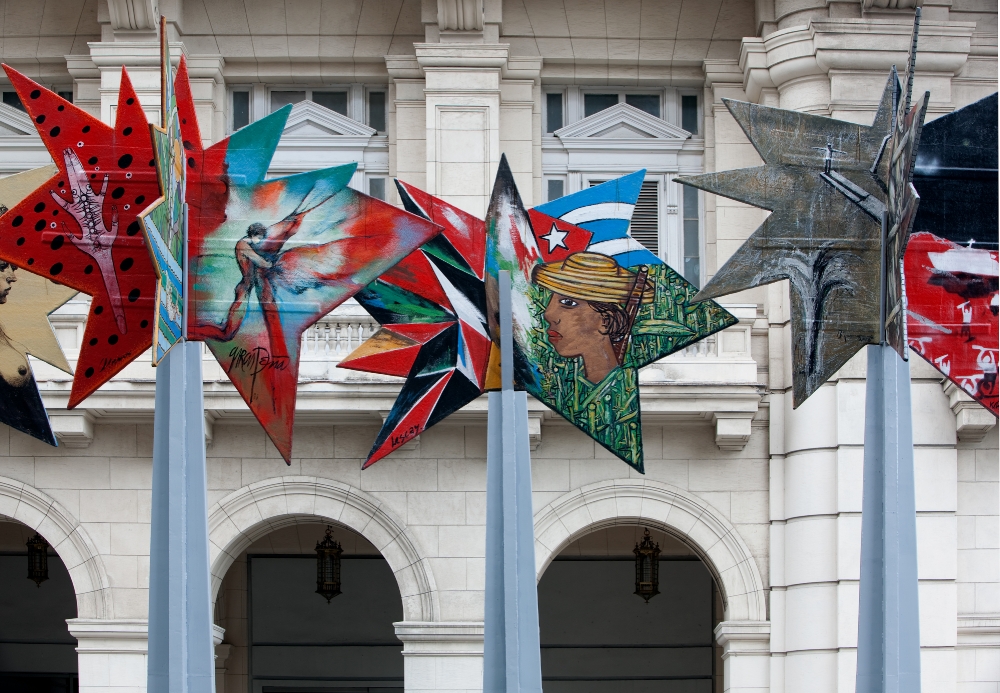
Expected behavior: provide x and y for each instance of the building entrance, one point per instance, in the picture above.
(37, 653)
(291, 640)
(597, 636)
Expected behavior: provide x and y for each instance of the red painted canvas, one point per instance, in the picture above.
(81, 227)
(952, 312)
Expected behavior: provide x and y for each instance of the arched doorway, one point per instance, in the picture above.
(37, 652)
(282, 637)
(598, 636)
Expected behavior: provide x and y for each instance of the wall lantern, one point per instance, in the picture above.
(38, 559)
(328, 566)
(647, 567)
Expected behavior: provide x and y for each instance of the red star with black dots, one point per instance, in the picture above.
(81, 228)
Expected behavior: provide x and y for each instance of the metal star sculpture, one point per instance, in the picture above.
(432, 308)
(831, 186)
(81, 227)
(583, 322)
(26, 300)
(268, 258)
(824, 242)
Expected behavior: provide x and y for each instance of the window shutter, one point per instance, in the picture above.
(645, 226)
(646, 218)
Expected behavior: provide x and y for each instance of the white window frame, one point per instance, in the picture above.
(573, 97)
(680, 232)
(545, 108)
(701, 115)
(260, 99)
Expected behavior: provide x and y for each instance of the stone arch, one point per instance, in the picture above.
(253, 511)
(34, 509)
(631, 501)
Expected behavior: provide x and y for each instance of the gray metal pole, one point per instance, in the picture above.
(511, 647)
(181, 656)
(888, 609)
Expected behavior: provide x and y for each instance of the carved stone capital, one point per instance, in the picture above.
(134, 15)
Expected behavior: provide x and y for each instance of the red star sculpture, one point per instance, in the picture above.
(81, 227)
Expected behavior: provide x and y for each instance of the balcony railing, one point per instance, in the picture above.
(724, 357)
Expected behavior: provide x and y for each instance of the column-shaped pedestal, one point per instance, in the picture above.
(888, 616)
(511, 647)
(181, 657)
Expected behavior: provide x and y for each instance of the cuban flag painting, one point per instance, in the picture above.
(606, 211)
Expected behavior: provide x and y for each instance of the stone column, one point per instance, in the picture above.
(441, 656)
(457, 107)
(746, 655)
(111, 653)
(462, 121)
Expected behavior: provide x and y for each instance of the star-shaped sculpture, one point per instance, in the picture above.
(432, 308)
(268, 258)
(583, 322)
(163, 221)
(951, 261)
(25, 303)
(81, 227)
(823, 234)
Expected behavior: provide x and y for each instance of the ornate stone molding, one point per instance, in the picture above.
(119, 635)
(978, 630)
(631, 501)
(31, 507)
(460, 15)
(972, 420)
(73, 427)
(134, 15)
(820, 67)
(253, 511)
(440, 638)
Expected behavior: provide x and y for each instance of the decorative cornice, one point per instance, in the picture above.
(643, 124)
(17, 120)
(333, 123)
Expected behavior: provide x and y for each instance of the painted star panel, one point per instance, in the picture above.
(823, 233)
(951, 263)
(432, 308)
(81, 227)
(163, 221)
(584, 323)
(268, 258)
(25, 303)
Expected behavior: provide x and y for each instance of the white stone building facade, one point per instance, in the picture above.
(764, 500)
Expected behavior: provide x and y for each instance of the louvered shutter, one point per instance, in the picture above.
(645, 226)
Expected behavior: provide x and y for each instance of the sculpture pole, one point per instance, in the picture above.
(181, 656)
(888, 613)
(511, 647)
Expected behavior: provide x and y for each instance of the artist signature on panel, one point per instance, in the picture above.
(253, 362)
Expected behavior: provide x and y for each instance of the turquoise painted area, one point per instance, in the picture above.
(250, 149)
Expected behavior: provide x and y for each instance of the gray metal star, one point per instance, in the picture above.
(824, 182)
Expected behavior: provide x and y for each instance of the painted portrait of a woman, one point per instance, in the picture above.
(20, 404)
(592, 309)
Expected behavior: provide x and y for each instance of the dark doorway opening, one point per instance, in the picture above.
(299, 643)
(37, 653)
(598, 637)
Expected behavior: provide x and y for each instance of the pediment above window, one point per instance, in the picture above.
(622, 121)
(309, 120)
(15, 122)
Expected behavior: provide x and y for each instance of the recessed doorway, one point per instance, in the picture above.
(598, 637)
